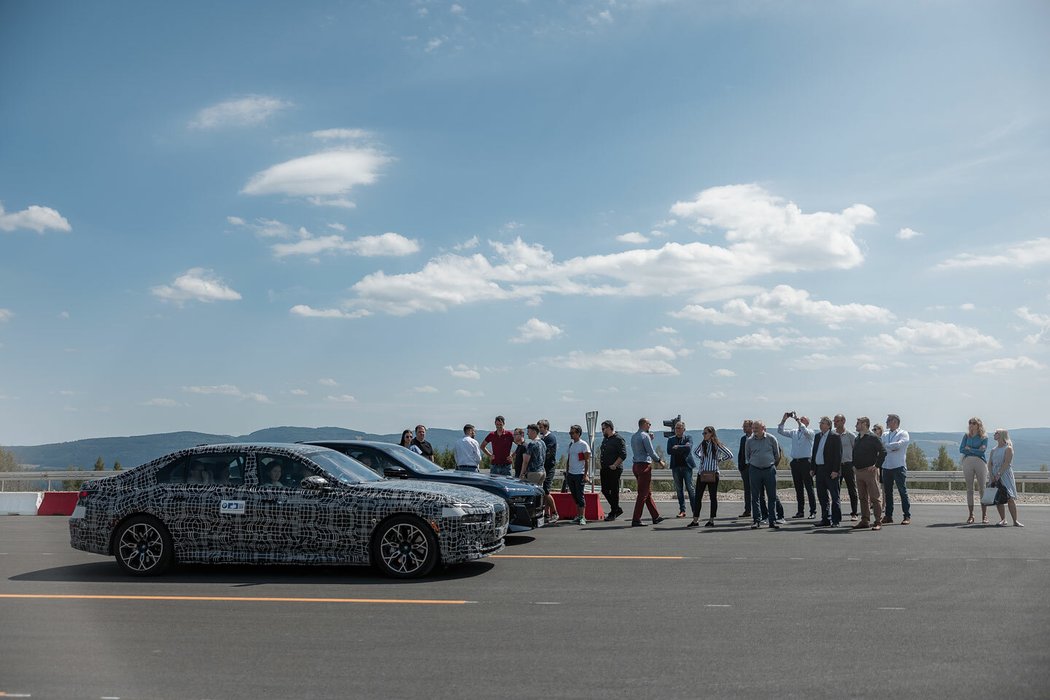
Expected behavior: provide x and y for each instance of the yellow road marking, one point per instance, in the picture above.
(235, 599)
(577, 556)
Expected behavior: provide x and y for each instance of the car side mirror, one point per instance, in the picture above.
(395, 473)
(314, 483)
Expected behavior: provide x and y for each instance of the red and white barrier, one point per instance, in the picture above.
(20, 502)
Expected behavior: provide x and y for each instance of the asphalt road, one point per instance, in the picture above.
(931, 610)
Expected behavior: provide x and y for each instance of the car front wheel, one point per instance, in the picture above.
(405, 547)
(143, 546)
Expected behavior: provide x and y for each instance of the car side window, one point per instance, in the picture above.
(279, 471)
(206, 468)
(369, 458)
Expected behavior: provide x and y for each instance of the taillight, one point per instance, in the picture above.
(83, 495)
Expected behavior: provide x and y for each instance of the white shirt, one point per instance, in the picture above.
(820, 448)
(577, 465)
(847, 439)
(468, 452)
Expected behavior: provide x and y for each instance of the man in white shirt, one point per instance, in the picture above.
(801, 455)
(579, 459)
(468, 451)
(895, 468)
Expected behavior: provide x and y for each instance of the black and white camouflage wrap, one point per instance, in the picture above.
(247, 522)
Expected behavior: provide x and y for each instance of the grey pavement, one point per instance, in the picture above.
(934, 609)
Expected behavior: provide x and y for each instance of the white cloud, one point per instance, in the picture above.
(299, 392)
(906, 234)
(775, 305)
(1016, 255)
(535, 329)
(264, 228)
(468, 394)
(392, 244)
(435, 44)
(196, 284)
(227, 390)
(6, 315)
(310, 312)
(64, 315)
(242, 111)
(340, 134)
(967, 306)
(469, 244)
(717, 395)
(1006, 364)
(425, 389)
(462, 371)
(764, 234)
(162, 403)
(33, 218)
(329, 174)
(932, 337)
(667, 330)
(457, 9)
(756, 221)
(723, 373)
(1040, 320)
(764, 340)
(655, 360)
(342, 398)
(327, 381)
(633, 237)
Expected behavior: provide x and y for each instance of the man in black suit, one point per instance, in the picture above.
(826, 465)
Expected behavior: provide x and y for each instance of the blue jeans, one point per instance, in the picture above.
(499, 470)
(900, 478)
(763, 481)
(683, 477)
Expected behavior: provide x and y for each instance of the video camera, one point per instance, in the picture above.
(670, 423)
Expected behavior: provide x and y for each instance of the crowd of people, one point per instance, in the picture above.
(870, 461)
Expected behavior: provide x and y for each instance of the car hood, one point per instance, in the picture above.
(512, 486)
(451, 493)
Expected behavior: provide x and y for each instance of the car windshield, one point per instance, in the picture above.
(345, 469)
(412, 459)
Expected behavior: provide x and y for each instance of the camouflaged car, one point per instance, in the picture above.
(281, 504)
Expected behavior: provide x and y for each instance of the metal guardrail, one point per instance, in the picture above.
(950, 477)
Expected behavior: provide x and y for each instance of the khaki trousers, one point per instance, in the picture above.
(870, 494)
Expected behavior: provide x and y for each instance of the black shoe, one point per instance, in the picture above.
(798, 515)
(745, 514)
(812, 513)
(709, 523)
(693, 523)
(823, 523)
(618, 511)
(775, 526)
(609, 518)
(637, 523)
(658, 519)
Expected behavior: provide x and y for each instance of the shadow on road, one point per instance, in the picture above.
(245, 575)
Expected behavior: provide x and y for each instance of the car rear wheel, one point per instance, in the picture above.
(405, 547)
(143, 546)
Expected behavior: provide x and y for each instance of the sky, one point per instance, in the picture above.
(227, 216)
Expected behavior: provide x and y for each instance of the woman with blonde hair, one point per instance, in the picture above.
(973, 447)
(1002, 476)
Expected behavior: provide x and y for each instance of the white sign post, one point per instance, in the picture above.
(592, 423)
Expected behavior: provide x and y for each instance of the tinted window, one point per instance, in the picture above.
(280, 471)
(417, 461)
(210, 468)
(343, 468)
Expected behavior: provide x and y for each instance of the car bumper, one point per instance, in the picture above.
(526, 516)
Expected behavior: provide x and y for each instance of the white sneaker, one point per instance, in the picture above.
(583, 521)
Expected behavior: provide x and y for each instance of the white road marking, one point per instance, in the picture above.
(798, 559)
(891, 608)
(546, 602)
(852, 558)
(713, 605)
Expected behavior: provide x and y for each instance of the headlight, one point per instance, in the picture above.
(459, 510)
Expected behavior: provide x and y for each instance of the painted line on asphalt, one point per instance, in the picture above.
(231, 599)
(712, 605)
(891, 608)
(580, 556)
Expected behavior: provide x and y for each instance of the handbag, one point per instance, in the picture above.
(1002, 496)
(989, 495)
(708, 477)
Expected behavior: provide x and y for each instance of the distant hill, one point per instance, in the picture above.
(1031, 445)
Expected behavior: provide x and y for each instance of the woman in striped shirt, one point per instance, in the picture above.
(711, 452)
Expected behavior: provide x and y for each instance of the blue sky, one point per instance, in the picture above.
(226, 216)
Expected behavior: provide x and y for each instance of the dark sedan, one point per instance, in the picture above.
(396, 462)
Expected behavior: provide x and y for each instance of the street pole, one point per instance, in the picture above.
(592, 423)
